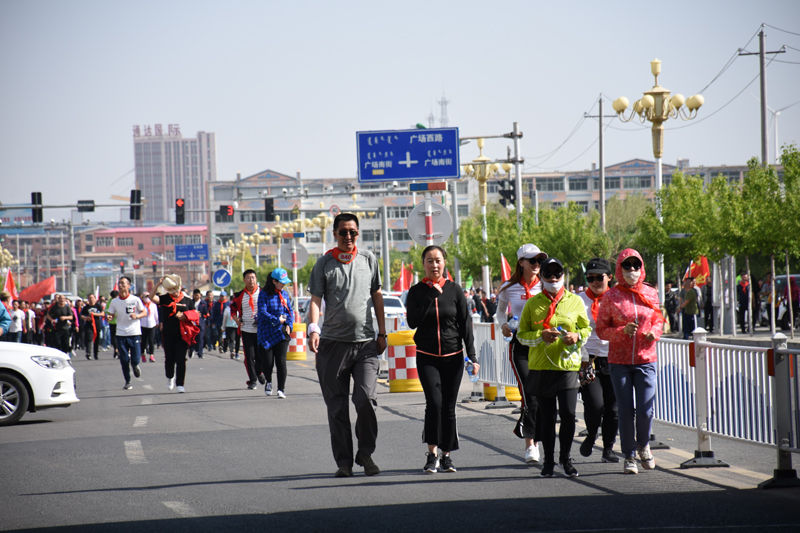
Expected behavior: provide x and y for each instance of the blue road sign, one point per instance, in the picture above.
(191, 252)
(221, 278)
(404, 155)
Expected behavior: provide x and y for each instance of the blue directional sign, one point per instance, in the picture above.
(191, 252)
(221, 278)
(404, 155)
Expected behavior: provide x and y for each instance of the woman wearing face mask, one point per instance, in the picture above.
(599, 402)
(554, 360)
(523, 285)
(630, 319)
(437, 308)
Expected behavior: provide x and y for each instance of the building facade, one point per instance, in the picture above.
(169, 166)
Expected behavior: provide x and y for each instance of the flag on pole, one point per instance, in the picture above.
(403, 282)
(505, 269)
(116, 283)
(10, 287)
(36, 292)
(699, 270)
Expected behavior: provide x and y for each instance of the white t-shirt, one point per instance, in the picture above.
(151, 320)
(594, 345)
(123, 309)
(515, 296)
(16, 320)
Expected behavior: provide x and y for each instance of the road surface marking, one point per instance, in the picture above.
(140, 422)
(148, 387)
(181, 508)
(134, 451)
(147, 401)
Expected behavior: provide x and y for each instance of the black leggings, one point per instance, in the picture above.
(567, 401)
(175, 357)
(440, 378)
(148, 341)
(519, 357)
(275, 356)
(600, 404)
(231, 339)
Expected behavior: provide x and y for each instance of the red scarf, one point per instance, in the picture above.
(438, 285)
(250, 300)
(174, 303)
(623, 286)
(342, 256)
(528, 287)
(283, 300)
(595, 302)
(552, 310)
(744, 284)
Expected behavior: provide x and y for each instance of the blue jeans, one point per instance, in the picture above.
(130, 353)
(106, 336)
(635, 420)
(689, 325)
(15, 336)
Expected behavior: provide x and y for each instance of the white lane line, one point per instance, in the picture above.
(134, 451)
(181, 508)
(140, 422)
(147, 401)
(148, 387)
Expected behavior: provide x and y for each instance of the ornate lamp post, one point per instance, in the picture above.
(657, 106)
(482, 170)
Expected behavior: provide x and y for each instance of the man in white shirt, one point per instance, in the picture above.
(17, 323)
(128, 309)
(244, 309)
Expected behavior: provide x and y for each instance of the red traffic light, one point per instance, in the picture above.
(155, 263)
(179, 202)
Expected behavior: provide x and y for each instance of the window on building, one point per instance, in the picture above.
(611, 183)
(399, 235)
(462, 187)
(313, 236)
(89, 237)
(251, 216)
(399, 212)
(193, 239)
(105, 242)
(141, 246)
(463, 211)
(156, 241)
(89, 247)
(636, 182)
(556, 205)
(370, 235)
(170, 255)
(285, 216)
(225, 238)
(584, 205)
(579, 184)
(550, 184)
(171, 240)
(492, 187)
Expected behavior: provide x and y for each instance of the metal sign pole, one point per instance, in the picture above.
(294, 279)
(428, 220)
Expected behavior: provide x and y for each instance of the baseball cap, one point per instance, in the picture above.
(551, 266)
(598, 265)
(528, 251)
(280, 275)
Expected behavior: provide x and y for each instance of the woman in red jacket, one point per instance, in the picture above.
(630, 319)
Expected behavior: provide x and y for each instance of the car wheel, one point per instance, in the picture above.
(13, 399)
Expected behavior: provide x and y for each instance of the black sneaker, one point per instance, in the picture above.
(569, 470)
(344, 471)
(137, 372)
(370, 468)
(587, 444)
(262, 379)
(548, 468)
(609, 456)
(447, 464)
(251, 386)
(431, 463)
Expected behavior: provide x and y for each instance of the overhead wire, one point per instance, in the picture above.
(784, 31)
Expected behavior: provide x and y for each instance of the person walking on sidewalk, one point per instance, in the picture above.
(202, 309)
(230, 329)
(244, 310)
(439, 312)
(149, 325)
(172, 307)
(127, 309)
(523, 285)
(92, 316)
(350, 281)
(275, 323)
(630, 320)
(599, 401)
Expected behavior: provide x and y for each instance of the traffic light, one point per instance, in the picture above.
(508, 196)
(122, 267)
(226, 213)
(154, 266)
(269, 209)
(179, 211)
(136, 204)
(36, 200)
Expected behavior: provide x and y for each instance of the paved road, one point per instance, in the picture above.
(221, 457)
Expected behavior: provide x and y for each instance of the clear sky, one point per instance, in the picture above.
(286, 85)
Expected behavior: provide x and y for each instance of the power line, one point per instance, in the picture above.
(573, 160)
(784, 31)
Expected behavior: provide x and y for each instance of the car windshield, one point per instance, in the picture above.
(392, 302)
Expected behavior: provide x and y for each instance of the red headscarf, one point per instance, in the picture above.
(637, 288)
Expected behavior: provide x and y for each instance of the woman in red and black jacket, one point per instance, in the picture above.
(438, 310)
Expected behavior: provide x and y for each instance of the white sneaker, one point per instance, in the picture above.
(170, 383)
(281, 395)
(181, 389)
(268, 389)
(646, 457)
(630, 466)
(532, 454)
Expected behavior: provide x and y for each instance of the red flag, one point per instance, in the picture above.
(36, 292)
(399, 285)
(698, 269)
(116, 284)
(505, 269)
(447, 275)
(10, 287)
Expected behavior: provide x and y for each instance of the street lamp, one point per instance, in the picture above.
(482, 170)
(657, 107)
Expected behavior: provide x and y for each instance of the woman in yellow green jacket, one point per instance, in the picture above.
(554, 358)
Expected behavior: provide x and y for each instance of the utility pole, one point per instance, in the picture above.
(454, 205)
(763, 79)
(602, 169)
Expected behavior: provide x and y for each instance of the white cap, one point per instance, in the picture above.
(528, 251)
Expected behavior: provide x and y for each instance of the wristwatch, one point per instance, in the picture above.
(382, 335)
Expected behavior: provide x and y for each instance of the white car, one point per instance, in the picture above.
(31, 378)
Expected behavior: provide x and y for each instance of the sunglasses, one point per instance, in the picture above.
(632, 265)
(536, 260)
(592, 279)
(551, 275)
(346, 232)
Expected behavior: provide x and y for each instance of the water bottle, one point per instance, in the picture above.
(513, 324)
(470, 368)
(571, 349)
